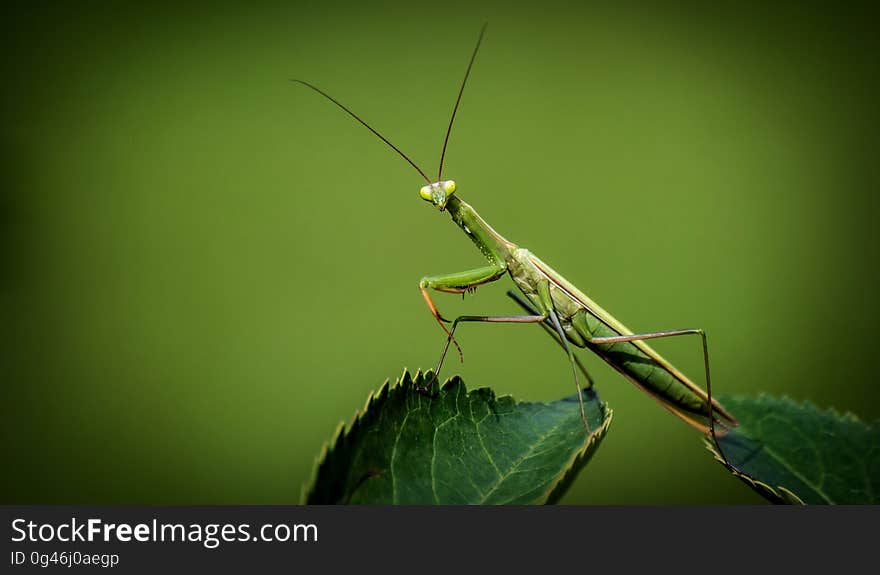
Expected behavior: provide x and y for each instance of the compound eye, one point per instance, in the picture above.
(425, 192)
(449, 186)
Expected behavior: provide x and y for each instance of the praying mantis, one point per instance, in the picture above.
(554, 303)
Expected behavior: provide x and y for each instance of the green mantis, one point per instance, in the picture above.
(554, 303)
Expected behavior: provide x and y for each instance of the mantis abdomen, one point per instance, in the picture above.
(583, 322)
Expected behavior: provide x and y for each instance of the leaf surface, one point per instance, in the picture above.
(454, 446)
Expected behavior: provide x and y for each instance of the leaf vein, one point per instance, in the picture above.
(519, 461)
(480, 438)
(797, 474)
(394, 455)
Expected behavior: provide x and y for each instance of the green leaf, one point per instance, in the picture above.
(454, 446)
(793, 453)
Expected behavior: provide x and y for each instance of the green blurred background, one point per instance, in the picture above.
(205, 267)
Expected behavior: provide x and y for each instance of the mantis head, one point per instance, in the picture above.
(438, 193)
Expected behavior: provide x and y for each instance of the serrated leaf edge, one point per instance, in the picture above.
(581, 457)
(778, 494)
(374, 399)
(803, 404)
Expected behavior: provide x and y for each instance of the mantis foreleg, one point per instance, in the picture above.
(459, 282)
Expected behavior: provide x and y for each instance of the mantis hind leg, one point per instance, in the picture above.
(674, 333)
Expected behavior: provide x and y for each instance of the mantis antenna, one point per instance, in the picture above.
(386, 140)
(366, 125)
(458, 100)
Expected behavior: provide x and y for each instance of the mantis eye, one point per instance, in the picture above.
(449, 186)
(425, 192)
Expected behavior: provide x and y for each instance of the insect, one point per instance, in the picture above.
(554, 303)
